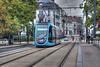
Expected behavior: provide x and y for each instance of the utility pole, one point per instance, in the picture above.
(86, 11)
(86, 27)
(94, 18)
(8, 33)
(54, 21)
(27, 35)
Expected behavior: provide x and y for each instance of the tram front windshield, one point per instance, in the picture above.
(41, 32)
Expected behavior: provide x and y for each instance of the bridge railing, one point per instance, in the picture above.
(96, 42)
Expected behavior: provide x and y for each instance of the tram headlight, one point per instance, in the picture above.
(37, 40)
(44, 40)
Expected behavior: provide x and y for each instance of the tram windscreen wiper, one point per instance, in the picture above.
(44, 36)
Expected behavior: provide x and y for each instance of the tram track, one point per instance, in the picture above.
(56, 59)
(67, 55)
(14, 49)
(20, 57)
(32, 65)
(30, 54)
(12, 53)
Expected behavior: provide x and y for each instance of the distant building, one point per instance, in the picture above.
(74, 25)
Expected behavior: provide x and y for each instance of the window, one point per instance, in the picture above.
(48, 13)
(53, 12)
(41, 12)
(50, 34)
(49, 19)
(41, 31)
(70, 32)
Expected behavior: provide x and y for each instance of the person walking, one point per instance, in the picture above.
(88, 37)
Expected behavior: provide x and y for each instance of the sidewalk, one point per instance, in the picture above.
(90, 55)
(16, 44)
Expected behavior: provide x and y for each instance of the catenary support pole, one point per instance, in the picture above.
(86, 27)
(94, 18)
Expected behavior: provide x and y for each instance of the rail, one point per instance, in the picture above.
(96, 42)
(3, 42)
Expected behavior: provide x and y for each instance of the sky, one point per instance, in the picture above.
(71, 3)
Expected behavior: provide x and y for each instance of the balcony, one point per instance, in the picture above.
(57, 17)
(41, 16)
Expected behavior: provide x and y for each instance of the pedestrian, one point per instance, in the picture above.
(88, 37)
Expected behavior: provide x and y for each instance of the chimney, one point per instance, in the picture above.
(53, 0)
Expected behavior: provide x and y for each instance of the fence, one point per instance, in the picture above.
(3, 42)
(96, 42)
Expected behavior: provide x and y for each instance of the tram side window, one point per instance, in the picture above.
(57, 34)
(50, 34)
(54, 35)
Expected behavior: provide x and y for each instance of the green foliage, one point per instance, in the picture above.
(89, 6)
(19, 12)
(24, 39)
(23, 10)
(89, 22)
(98, 35)
(14, 25)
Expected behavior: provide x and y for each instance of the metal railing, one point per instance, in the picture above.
(96, 42)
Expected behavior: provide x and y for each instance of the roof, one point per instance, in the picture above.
(74, 19)
(49, 5)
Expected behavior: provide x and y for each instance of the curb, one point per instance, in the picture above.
(79, 57)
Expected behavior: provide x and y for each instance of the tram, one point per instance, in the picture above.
(47, 34)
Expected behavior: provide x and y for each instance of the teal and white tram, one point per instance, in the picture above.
(47, 34)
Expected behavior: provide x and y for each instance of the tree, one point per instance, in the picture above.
(20, 13)
(4, 25)
(23, 10)
(90, 7)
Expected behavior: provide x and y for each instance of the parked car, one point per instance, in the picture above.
(66, 38)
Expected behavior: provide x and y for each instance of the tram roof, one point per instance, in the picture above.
(49, 23)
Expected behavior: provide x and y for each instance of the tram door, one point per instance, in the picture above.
(57, 35)
(52, 35)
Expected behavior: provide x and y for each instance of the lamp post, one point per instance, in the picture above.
(94, 18)
(27, 35)
(86, 27)
(74, 28)
(54, 21)
(20, 36)
(8, 33)
(42, 16)
(33, 29)
(86, 11)
(20, 32)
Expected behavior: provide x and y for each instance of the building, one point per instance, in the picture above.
(74, 25)
(49, 11)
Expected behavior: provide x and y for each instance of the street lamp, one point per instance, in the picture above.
(9, 38)
(86, 27)
(48, 5)
(74, 28)
(86, 11)
(41, 16)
